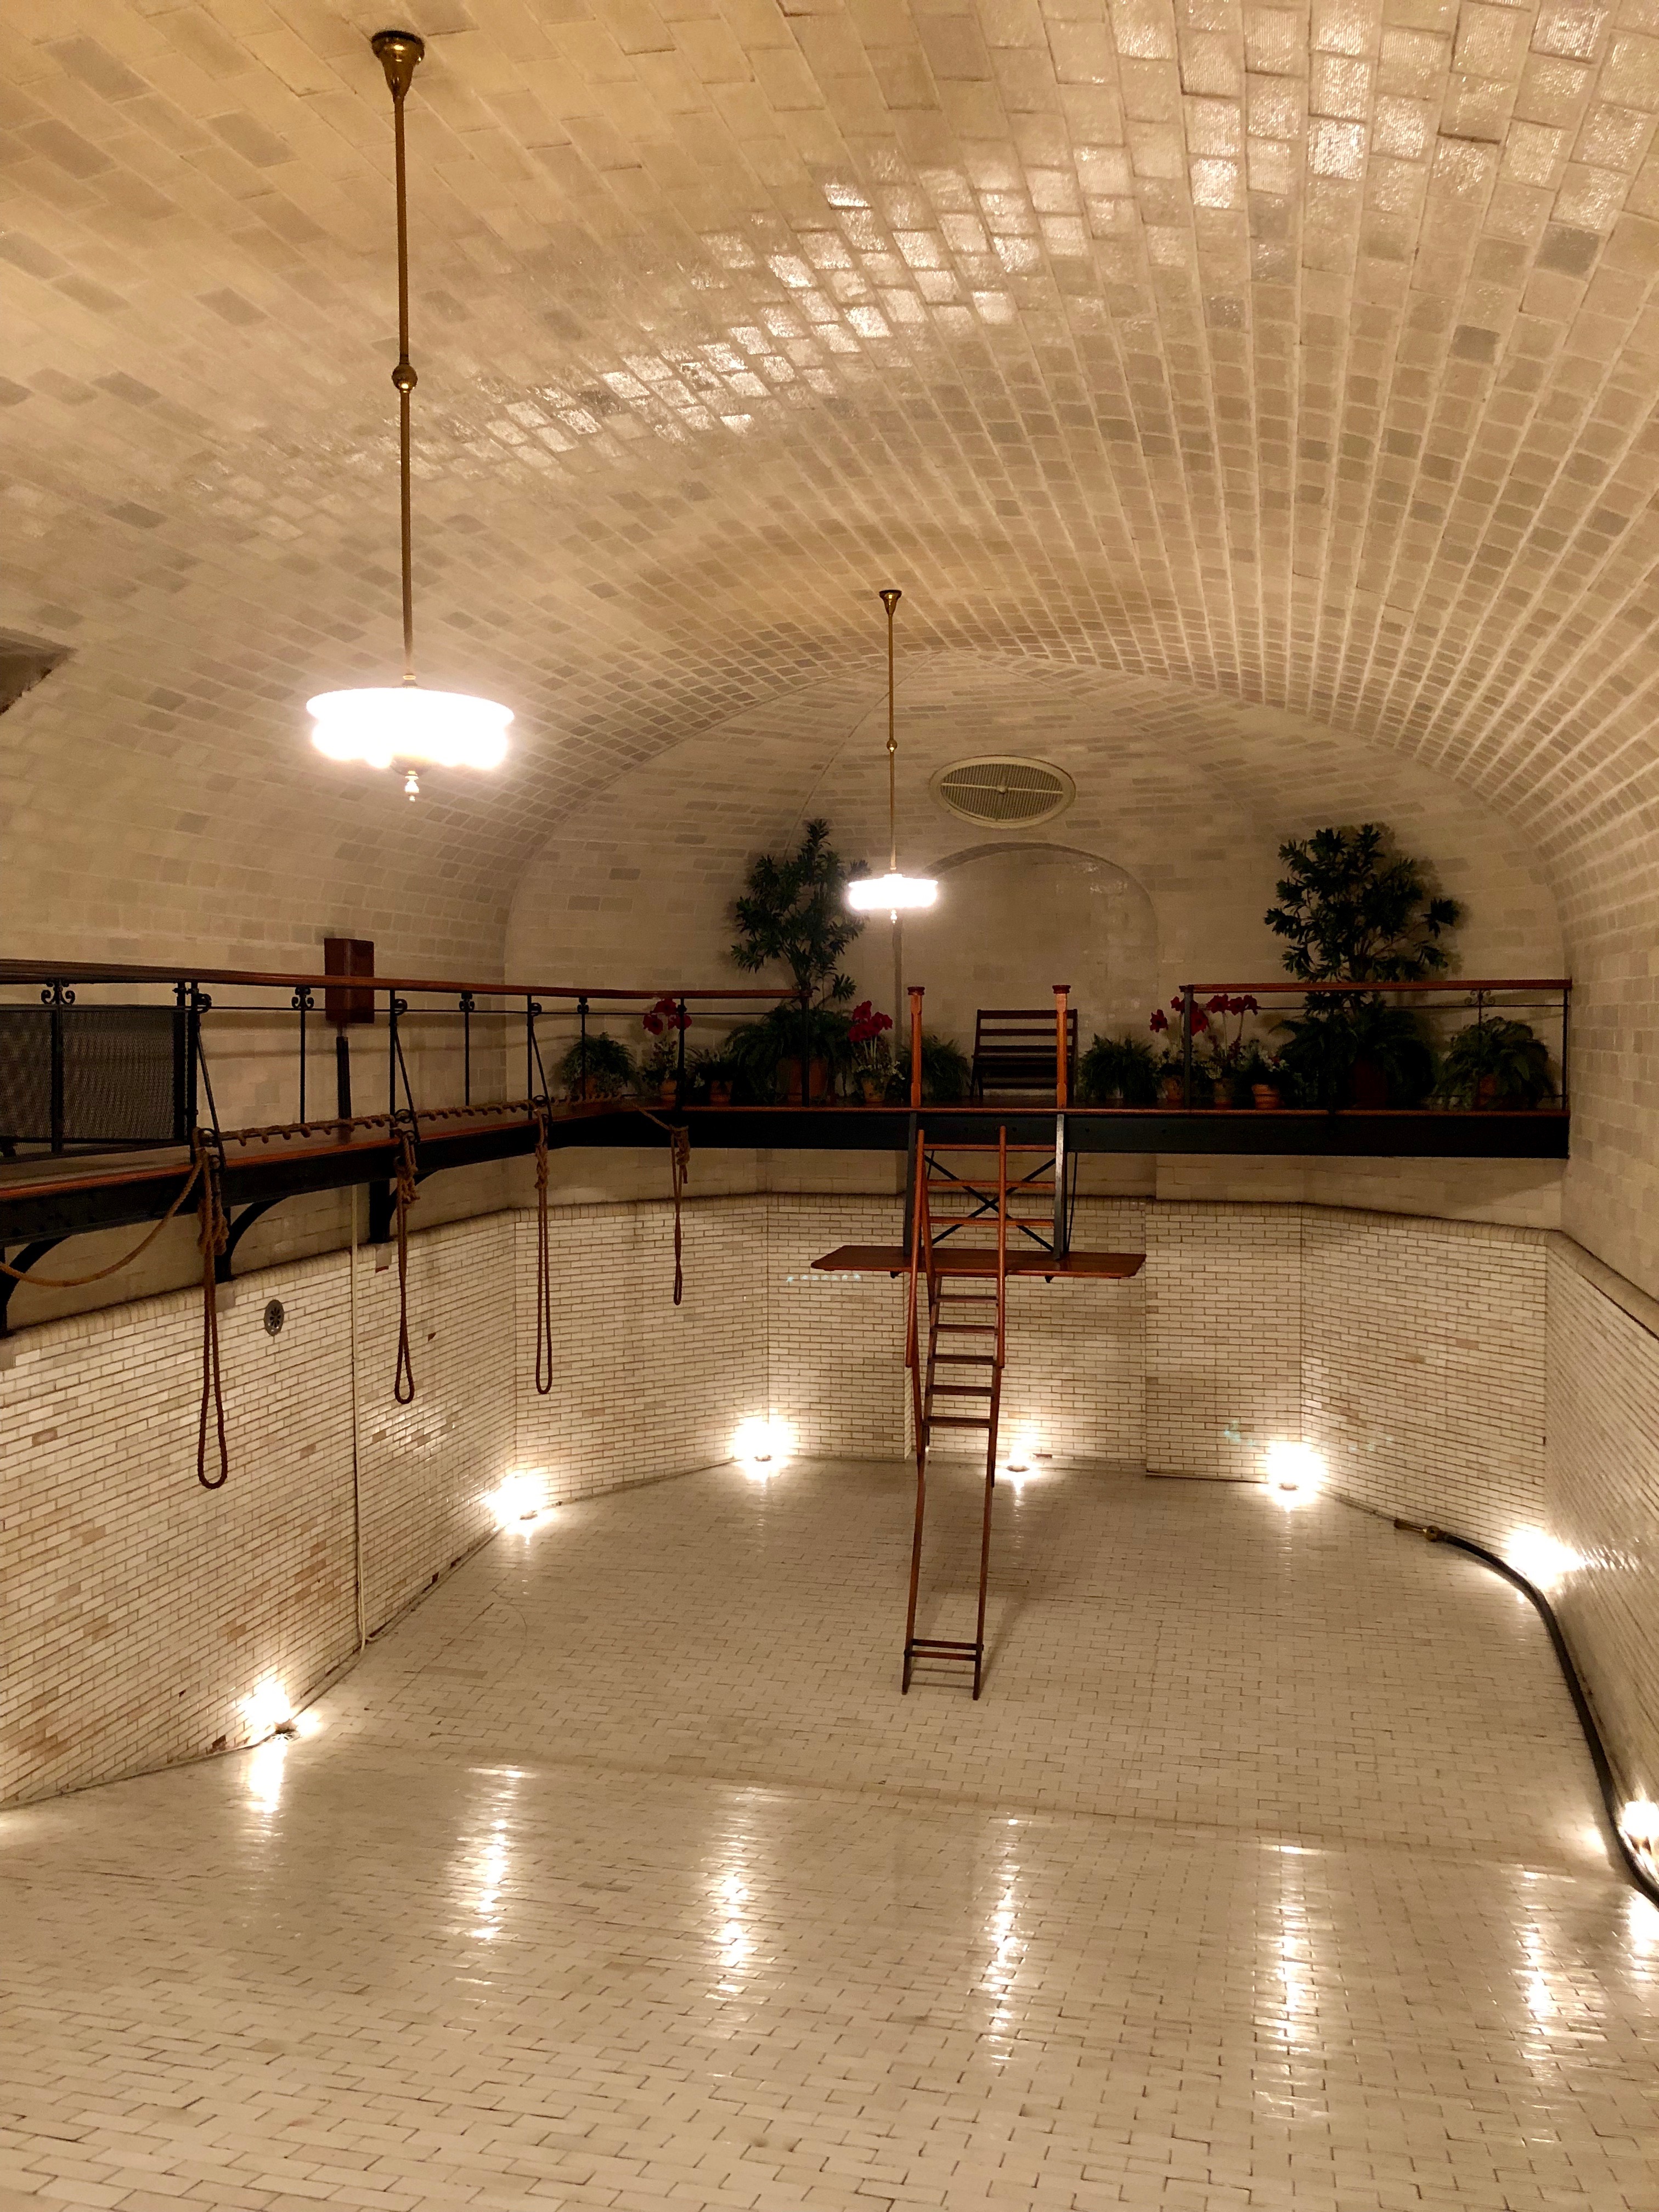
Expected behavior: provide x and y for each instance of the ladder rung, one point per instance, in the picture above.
(969, 1298)
(956, 1390)
(953, 1421)
(965, 1328)
(1029, 1151)
(963, 1359)
(944, 1647)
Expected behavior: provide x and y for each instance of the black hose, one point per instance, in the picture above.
(1581, 1705)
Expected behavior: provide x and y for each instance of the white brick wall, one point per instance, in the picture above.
(1489, 1379)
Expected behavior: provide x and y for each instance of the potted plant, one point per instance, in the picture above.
(1496, 1062)
(793, 909)
(1352, 909)
(709, 1073)
(1172, 1063)
(595, 1067)
(1223, 1048)
(1257, 1073)
(947, 1073)
(1120, 1071)
(872, 1051)
(665, 1024)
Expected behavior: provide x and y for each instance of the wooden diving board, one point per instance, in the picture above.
(971, 1260)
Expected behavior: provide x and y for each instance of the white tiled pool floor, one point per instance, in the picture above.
(1266, 1874)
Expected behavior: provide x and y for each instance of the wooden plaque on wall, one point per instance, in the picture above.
(348, 956)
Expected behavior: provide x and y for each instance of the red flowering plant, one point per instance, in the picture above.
(663, 1024)
(872, 1053)
(1220, 1055)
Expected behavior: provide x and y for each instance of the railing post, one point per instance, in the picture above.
(533, 1051)
(679, 1070)
(342, 1083)
(1187, 1046)
(184, 1060)
(581, 1010)
(56, 998)
(392, 1052)
(805, 1048)
(1567, 994)
(1062, 1042)
(468, 1005)
(302, 1003)
(1062, 1233)
(916, 990)
(194, 1005)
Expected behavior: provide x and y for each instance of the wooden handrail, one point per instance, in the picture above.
(92, 971)
(1457, 983)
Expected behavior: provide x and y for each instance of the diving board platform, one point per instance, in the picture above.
(894, 1259)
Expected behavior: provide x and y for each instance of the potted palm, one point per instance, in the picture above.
(947, 1073)
(793, 910)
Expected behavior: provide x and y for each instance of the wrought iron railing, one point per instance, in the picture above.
(78, 1075)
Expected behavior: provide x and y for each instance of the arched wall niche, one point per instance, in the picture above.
(1017, 916)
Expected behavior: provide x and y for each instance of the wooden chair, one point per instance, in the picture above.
(1014, 1050)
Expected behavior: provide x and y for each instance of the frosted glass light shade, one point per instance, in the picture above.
(405, 721)
(891, 894)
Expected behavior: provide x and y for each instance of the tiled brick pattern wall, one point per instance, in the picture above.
(1412, 1353)
(1602, 1489)
(1423, 1369)
(1224, 1314)
(641, 1387)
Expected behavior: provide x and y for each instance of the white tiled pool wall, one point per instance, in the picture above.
(1488, 1379)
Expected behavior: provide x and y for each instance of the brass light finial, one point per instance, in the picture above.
(398, 53)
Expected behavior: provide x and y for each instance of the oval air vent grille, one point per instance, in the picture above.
(1002, 790)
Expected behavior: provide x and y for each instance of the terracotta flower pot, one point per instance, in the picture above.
(1170, 1090)
(1486, 1090)
(1369, 1087)
(1267, 1096)
(820, 1081)
(873, 1089)
(667, 1091)
(719, 1094)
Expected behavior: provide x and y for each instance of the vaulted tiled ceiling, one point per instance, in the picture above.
(1307, 356)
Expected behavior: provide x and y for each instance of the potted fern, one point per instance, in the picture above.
(1118, 1072)
(1496, 1062)
(596, 1067)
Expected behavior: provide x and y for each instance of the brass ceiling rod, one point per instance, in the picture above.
(400, 51)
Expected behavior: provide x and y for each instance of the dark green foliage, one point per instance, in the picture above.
(1349, 906)
(793, 910)
(761, 1055)
(610, 1066)
(1325, 1045)
(1511, 1053)
(1118, 1070)
(947, 1073)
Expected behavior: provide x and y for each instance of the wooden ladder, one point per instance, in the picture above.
(965, 1304)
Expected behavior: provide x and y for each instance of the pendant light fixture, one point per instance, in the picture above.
(406, 722)
(898, 894)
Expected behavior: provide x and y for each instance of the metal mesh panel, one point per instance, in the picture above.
(1005, 791)
(118, 1074)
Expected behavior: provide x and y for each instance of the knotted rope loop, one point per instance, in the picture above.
(402, 1380)
(544, 1267)
(212, 1236)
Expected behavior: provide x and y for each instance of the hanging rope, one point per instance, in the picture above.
(80, 1282)
(212, 1236)
(543, 1267)
(402, 1380)
(679, 1170)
